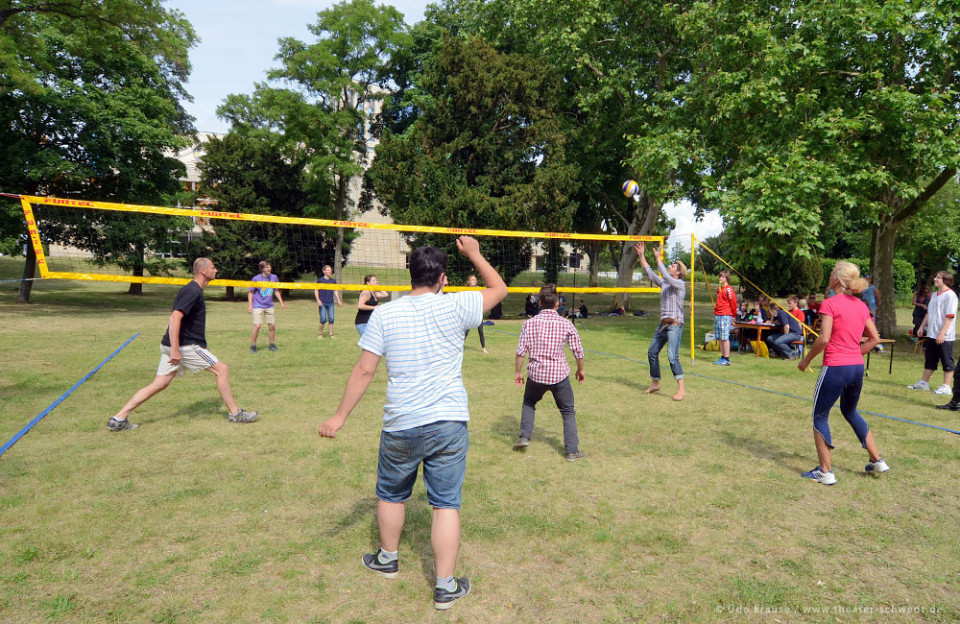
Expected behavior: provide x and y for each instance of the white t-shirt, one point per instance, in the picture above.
(421, 338)
(942, 305)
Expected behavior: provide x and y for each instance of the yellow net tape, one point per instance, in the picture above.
(28, 200)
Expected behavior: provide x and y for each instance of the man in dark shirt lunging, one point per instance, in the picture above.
(184, 347)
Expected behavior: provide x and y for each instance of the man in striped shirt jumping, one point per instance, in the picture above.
(543, 337)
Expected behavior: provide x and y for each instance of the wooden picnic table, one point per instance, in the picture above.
(759, 327)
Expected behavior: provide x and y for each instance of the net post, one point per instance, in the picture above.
(693, 255)
(34, 237)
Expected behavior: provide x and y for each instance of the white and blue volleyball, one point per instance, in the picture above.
(630, 188)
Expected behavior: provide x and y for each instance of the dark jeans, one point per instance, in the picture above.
(781, 343)
(563, 395)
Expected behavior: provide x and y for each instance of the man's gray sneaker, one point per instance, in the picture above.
(121, 425)
(521, 444)
(572, 457)
(371, 561)
(243, 416)
(443, 599)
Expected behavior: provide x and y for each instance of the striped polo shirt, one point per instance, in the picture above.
(421, 339)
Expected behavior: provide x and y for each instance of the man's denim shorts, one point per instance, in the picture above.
(440, 446)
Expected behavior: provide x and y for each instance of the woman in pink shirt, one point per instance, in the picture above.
(843, 319)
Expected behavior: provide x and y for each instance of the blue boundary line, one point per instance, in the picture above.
(743, 385)
(23, 432)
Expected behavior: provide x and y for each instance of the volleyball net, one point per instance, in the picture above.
(110, 242)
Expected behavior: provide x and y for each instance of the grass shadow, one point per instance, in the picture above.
(508, 427)
(758, 448)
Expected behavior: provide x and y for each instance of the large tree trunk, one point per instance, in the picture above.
(343, 188)
(136, 288)
(883, 240)
(229, 294)
(594, 249)
(29, 271)
(884, 237)
(643, 221)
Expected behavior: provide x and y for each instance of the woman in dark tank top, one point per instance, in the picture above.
(368, 301)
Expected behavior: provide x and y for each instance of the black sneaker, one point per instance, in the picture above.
(253, 348)
(443, 599)
(243, 416)
(121, 425)
(273, 347)
(952, 406)
(386, 570)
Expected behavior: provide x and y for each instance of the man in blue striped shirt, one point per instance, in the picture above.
(425, 416)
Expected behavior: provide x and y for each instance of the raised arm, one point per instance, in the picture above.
(496, 289)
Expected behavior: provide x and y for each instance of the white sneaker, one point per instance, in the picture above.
(919, 385)
(876, 467)
(818, 475)
(943, 389)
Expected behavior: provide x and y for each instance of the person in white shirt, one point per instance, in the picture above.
(940, 329)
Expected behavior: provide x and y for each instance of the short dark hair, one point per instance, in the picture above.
(426, 266)
(548, 297)
(947, 278)
(724, 273)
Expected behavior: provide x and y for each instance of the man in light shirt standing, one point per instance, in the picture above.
(425, 416)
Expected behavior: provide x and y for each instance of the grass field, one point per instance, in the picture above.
(682, 512)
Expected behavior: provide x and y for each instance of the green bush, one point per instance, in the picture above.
(904, 277)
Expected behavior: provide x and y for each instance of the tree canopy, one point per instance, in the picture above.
(90, 104)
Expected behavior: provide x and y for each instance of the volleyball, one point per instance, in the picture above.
(630, 188)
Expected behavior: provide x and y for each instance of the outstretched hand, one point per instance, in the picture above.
(640, 248)
(467, 245)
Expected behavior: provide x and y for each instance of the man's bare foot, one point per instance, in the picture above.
(679, 396)
(652, 389)
(485, 351)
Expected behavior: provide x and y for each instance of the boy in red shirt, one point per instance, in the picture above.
(724, 312)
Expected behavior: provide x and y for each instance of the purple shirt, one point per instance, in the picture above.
(263, 297)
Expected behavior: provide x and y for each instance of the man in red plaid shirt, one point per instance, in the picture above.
(543, 337)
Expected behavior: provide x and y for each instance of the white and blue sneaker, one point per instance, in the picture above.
(722, 361)
(818, 475)
(876, 467)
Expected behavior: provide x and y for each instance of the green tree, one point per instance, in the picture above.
(322, 116)
(930, 240)
(487, 148)
(818, 113)
(90, 105)
(619, 62)
(251, 174)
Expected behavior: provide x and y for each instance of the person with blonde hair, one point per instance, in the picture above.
(843, 319)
